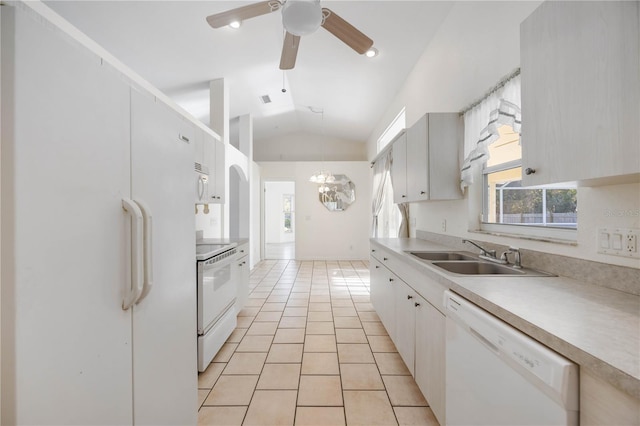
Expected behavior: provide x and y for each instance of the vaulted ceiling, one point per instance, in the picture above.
(170, 44)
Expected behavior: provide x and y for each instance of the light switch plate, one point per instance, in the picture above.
(619, 242)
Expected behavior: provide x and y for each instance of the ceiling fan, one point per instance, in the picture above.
(299, 17)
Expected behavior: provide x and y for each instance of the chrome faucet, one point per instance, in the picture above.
(517, 260)
(484, 251)
(489, 255)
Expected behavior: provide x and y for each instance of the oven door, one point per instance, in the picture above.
(217, 290)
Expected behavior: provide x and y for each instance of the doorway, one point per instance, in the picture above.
(279, 220)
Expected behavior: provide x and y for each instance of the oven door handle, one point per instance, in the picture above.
(148, 255)
(137, 273)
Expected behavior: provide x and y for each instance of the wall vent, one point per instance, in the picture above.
(265, 99)
(200, 168)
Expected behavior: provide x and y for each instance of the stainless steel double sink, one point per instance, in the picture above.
(464, 263)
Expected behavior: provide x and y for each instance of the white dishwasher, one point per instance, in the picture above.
(496, 375)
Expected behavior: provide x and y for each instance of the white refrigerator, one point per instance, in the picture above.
(79, 142)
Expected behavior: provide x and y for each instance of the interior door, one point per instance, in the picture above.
(164, 322)
(66, 342)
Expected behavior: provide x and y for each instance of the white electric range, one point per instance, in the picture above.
(216, 292)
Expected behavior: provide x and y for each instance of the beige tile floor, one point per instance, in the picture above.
(309, 349)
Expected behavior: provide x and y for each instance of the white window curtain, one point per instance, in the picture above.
(481, 122)
(403, 231)
(381, 179)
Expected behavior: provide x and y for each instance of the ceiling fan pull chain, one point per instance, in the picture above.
(284, 90)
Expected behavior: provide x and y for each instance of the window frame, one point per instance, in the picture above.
(533, 231)
(288, 212)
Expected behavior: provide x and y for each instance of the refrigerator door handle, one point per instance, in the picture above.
(148, 255)
(137, 273)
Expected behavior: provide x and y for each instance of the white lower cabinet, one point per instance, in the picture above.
(405, 330)
(382, 294)
(376, 275)
(415, 325)
(603, 404)
(243, 277)
(430, 356)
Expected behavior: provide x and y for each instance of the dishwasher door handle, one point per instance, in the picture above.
(484, 340)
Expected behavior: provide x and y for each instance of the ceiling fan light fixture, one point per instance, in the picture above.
(301, 17)
(235, 24)
(371, 53)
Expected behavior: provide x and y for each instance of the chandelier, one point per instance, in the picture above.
(323, 176)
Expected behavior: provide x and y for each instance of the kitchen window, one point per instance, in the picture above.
(517, 209)
(398, 124)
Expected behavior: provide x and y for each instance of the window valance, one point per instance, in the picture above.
(481, 122)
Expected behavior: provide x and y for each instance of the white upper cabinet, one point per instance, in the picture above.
(210, 169)
(425, 160)
(214, 158)
(399, 168)
(580, 92)
(433, 169)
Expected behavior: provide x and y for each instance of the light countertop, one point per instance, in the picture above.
(238, 241)
(596, 327)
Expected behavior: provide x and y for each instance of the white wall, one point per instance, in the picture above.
(308, 147)
(273, 213)
(454, 71)
(321, 234)
(209, 223)
(476, 45)
(255, 242)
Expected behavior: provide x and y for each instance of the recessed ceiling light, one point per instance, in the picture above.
(235, 24)
(371, 52)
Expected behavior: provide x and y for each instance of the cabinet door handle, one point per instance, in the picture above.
(416, 304)
(373, 250)
(385, 258)
(390, 280)
(377, 266)
(137, 272)
(409, 297)
(422, 192)
(404, 196)
(183, 138)
(148, 244)
(529, 171)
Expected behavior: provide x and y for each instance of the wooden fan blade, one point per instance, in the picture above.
(241, 13)
(346, 32)
(289, 51)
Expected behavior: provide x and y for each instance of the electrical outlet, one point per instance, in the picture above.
(444, 225)
(619, 242)
(631, 246)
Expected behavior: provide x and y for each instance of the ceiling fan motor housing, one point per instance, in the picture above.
(301, 17)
